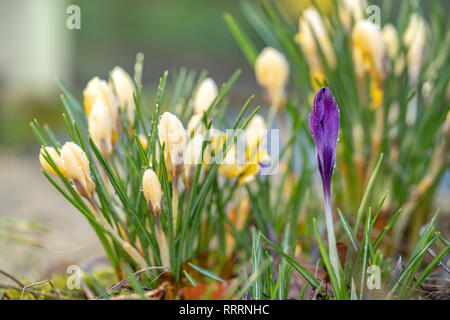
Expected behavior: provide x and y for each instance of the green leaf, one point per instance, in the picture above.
(366, 194)
(242, 39)
(191, 280)
(206, 272)
(348, 230)
(297, 266)
(326, 259)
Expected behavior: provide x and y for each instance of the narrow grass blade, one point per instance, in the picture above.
(366, 194)
(205, 272)
(297, 266)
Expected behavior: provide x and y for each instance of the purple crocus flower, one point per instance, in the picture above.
(324, 128)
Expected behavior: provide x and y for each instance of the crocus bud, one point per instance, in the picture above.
(96, 90)
(415, 40)
(124, 88)
(272, 71)
(390, 37)
(76, 165)
(152, 191)
(143, 141)
(56, 159)
(311, 26)
(324, 128)
(205, 95)
(171, 133)
(153, 195)
(358, 63)
(192, 157)
(256, 133)
(229, 167)
(100, 127)
(368, 39)
(351, 9)
(195, 125)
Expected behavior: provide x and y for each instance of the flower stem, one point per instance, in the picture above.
(175, 203)
(137, 257)
(333, 253)
(162, 242)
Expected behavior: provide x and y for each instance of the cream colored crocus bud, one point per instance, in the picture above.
(272, 71)
(195, 125)
(358, 63)
(229, 167)
(205, 95)
(143, 141)
(56, 159)
(390, 36)
(152, 191)
(171, 134)
(415, 40)
(311, 27)
(153, 194)
(192, 158)
(76, 165)
(368, 40)
(256, 132)
(100, 126)
(99, 90)
(124, 88)
(351, 9)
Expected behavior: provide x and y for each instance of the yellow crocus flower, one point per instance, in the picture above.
(56, 159)
(311, 26)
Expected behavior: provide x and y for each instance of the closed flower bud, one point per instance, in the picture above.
(256, 132)
(99, 90)
(143, 141)
(76, 166)
(192, 157)
(272, 70)
(368, 40)
(100, 127)
(205, 95)
(311, 27)
(324, 128)
(358, 63)
(229, 167)
(56, 159)
(124, 88)
(171, 134)
(390, 36)
(152, 191)
(415, 40)
(195, 125)
(351, 9)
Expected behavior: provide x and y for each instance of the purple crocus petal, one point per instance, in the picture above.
(324, 128)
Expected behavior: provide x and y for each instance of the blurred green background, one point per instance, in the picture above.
(38, 47)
